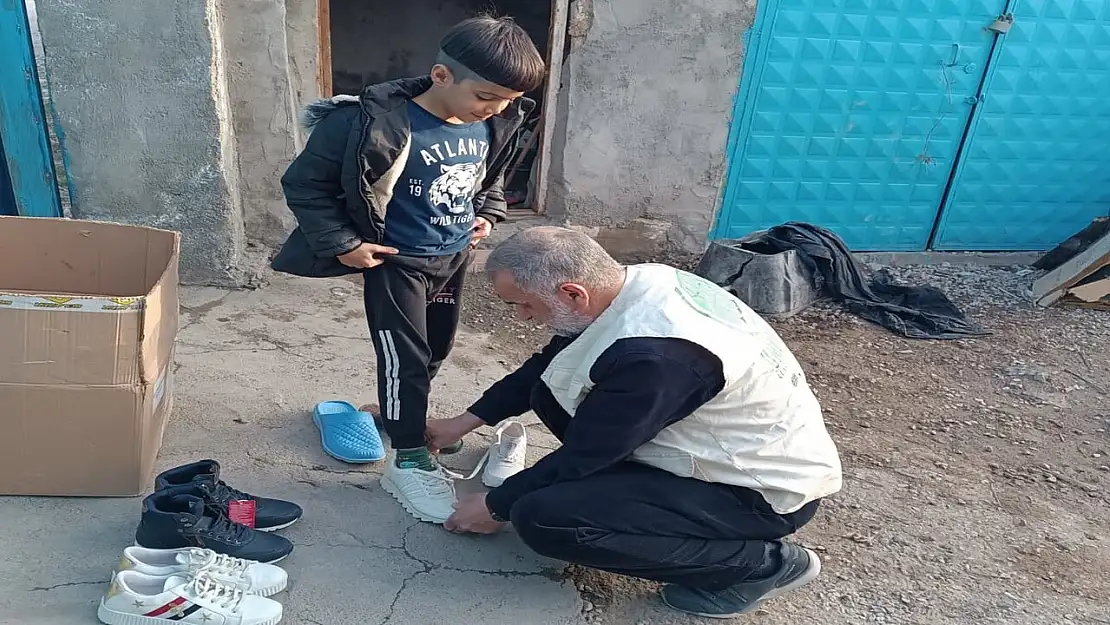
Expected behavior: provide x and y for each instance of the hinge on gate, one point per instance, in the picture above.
(975, 99)
(1002, 24)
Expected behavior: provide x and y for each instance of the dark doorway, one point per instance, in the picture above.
(374, 41)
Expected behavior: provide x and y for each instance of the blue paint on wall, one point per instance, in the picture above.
(22, 120)
(7, 197)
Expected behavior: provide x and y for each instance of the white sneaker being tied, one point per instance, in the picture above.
(253, 578)
(506, 454)
(427, 495)
(136, 598)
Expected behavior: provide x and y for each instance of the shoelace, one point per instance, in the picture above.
(208, 560)
(442, 480)
(224, 527)
(224, 493)
(439, 482)
(206, 587)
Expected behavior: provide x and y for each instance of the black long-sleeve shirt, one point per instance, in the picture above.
(641, 386)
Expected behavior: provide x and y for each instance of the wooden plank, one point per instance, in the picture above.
(1049, 288)
(560, 13)
(323, 36)
(22, 118)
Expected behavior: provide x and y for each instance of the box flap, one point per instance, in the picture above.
(77, 308)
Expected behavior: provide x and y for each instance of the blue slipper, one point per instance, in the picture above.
(347, 434)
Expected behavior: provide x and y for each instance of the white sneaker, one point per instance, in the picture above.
(253, 578)
(135, 598)
(506, 454)
(427, 495)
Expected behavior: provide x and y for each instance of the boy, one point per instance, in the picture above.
(399, 184)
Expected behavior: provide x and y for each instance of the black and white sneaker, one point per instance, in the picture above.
(182, 516)
(269, 514)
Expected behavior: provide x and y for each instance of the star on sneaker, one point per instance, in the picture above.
(253, 578)
(135, 597)
(799, 567)
(506, 454)
(427, 495)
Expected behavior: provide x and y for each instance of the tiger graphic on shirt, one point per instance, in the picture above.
(455, 187)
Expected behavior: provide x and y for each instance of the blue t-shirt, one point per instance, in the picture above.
(431, 212)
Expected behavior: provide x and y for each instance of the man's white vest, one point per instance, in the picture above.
(763, 431)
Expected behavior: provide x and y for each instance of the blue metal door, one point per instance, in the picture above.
(1036, 167)
(26, 152)
(851, 114)
(7, 197)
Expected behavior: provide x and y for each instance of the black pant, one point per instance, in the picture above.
(412, 307)
(644, 522)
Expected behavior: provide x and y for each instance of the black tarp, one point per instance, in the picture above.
(918, 312)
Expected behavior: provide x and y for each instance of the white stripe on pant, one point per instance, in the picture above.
(392, 406)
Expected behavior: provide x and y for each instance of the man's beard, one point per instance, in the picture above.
(566, 322)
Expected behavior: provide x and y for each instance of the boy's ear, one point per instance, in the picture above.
(441, 75)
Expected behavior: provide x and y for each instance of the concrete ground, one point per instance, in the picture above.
(250, 366)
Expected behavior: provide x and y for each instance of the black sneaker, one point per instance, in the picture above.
(269, 514)
(180, 516)
(798, 567)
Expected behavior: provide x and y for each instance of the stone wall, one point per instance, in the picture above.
(648, 90)
(141, 111)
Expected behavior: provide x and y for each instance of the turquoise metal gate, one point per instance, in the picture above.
(914, 124)
(1036, 162)
(26, 148)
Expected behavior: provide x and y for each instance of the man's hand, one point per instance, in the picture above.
(482, 229)
(440, 433)
(365, 256)
(472, 517)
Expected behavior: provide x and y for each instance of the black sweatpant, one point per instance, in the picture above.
(412, 307)
(644, 522)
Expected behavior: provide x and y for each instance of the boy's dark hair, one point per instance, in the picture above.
(495, 49)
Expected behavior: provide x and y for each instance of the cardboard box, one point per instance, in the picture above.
(88, 319)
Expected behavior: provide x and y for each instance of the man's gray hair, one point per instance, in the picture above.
(542, 258)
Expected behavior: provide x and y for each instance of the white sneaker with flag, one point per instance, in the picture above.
(253, 578)
(136, 598)
(427, 495)
(506, 455)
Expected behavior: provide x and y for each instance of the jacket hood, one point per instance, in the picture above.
(319, 109)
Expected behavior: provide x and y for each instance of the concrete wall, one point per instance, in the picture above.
(648, 90)
(143, 119)
(262, 86)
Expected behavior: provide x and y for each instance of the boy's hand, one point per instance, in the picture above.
(482, 229)
(365, 256)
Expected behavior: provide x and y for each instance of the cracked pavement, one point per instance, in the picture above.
(249, 367)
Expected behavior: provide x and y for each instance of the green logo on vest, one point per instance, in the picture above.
(708, 298)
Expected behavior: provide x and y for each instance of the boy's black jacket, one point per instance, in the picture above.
(339, 186)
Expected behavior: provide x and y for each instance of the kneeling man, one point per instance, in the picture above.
(691, 442)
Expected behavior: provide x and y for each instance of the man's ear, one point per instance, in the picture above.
(575, 292)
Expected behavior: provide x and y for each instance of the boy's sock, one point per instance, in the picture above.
(416, 458)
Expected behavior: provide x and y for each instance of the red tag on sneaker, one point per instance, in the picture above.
(241, 511)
